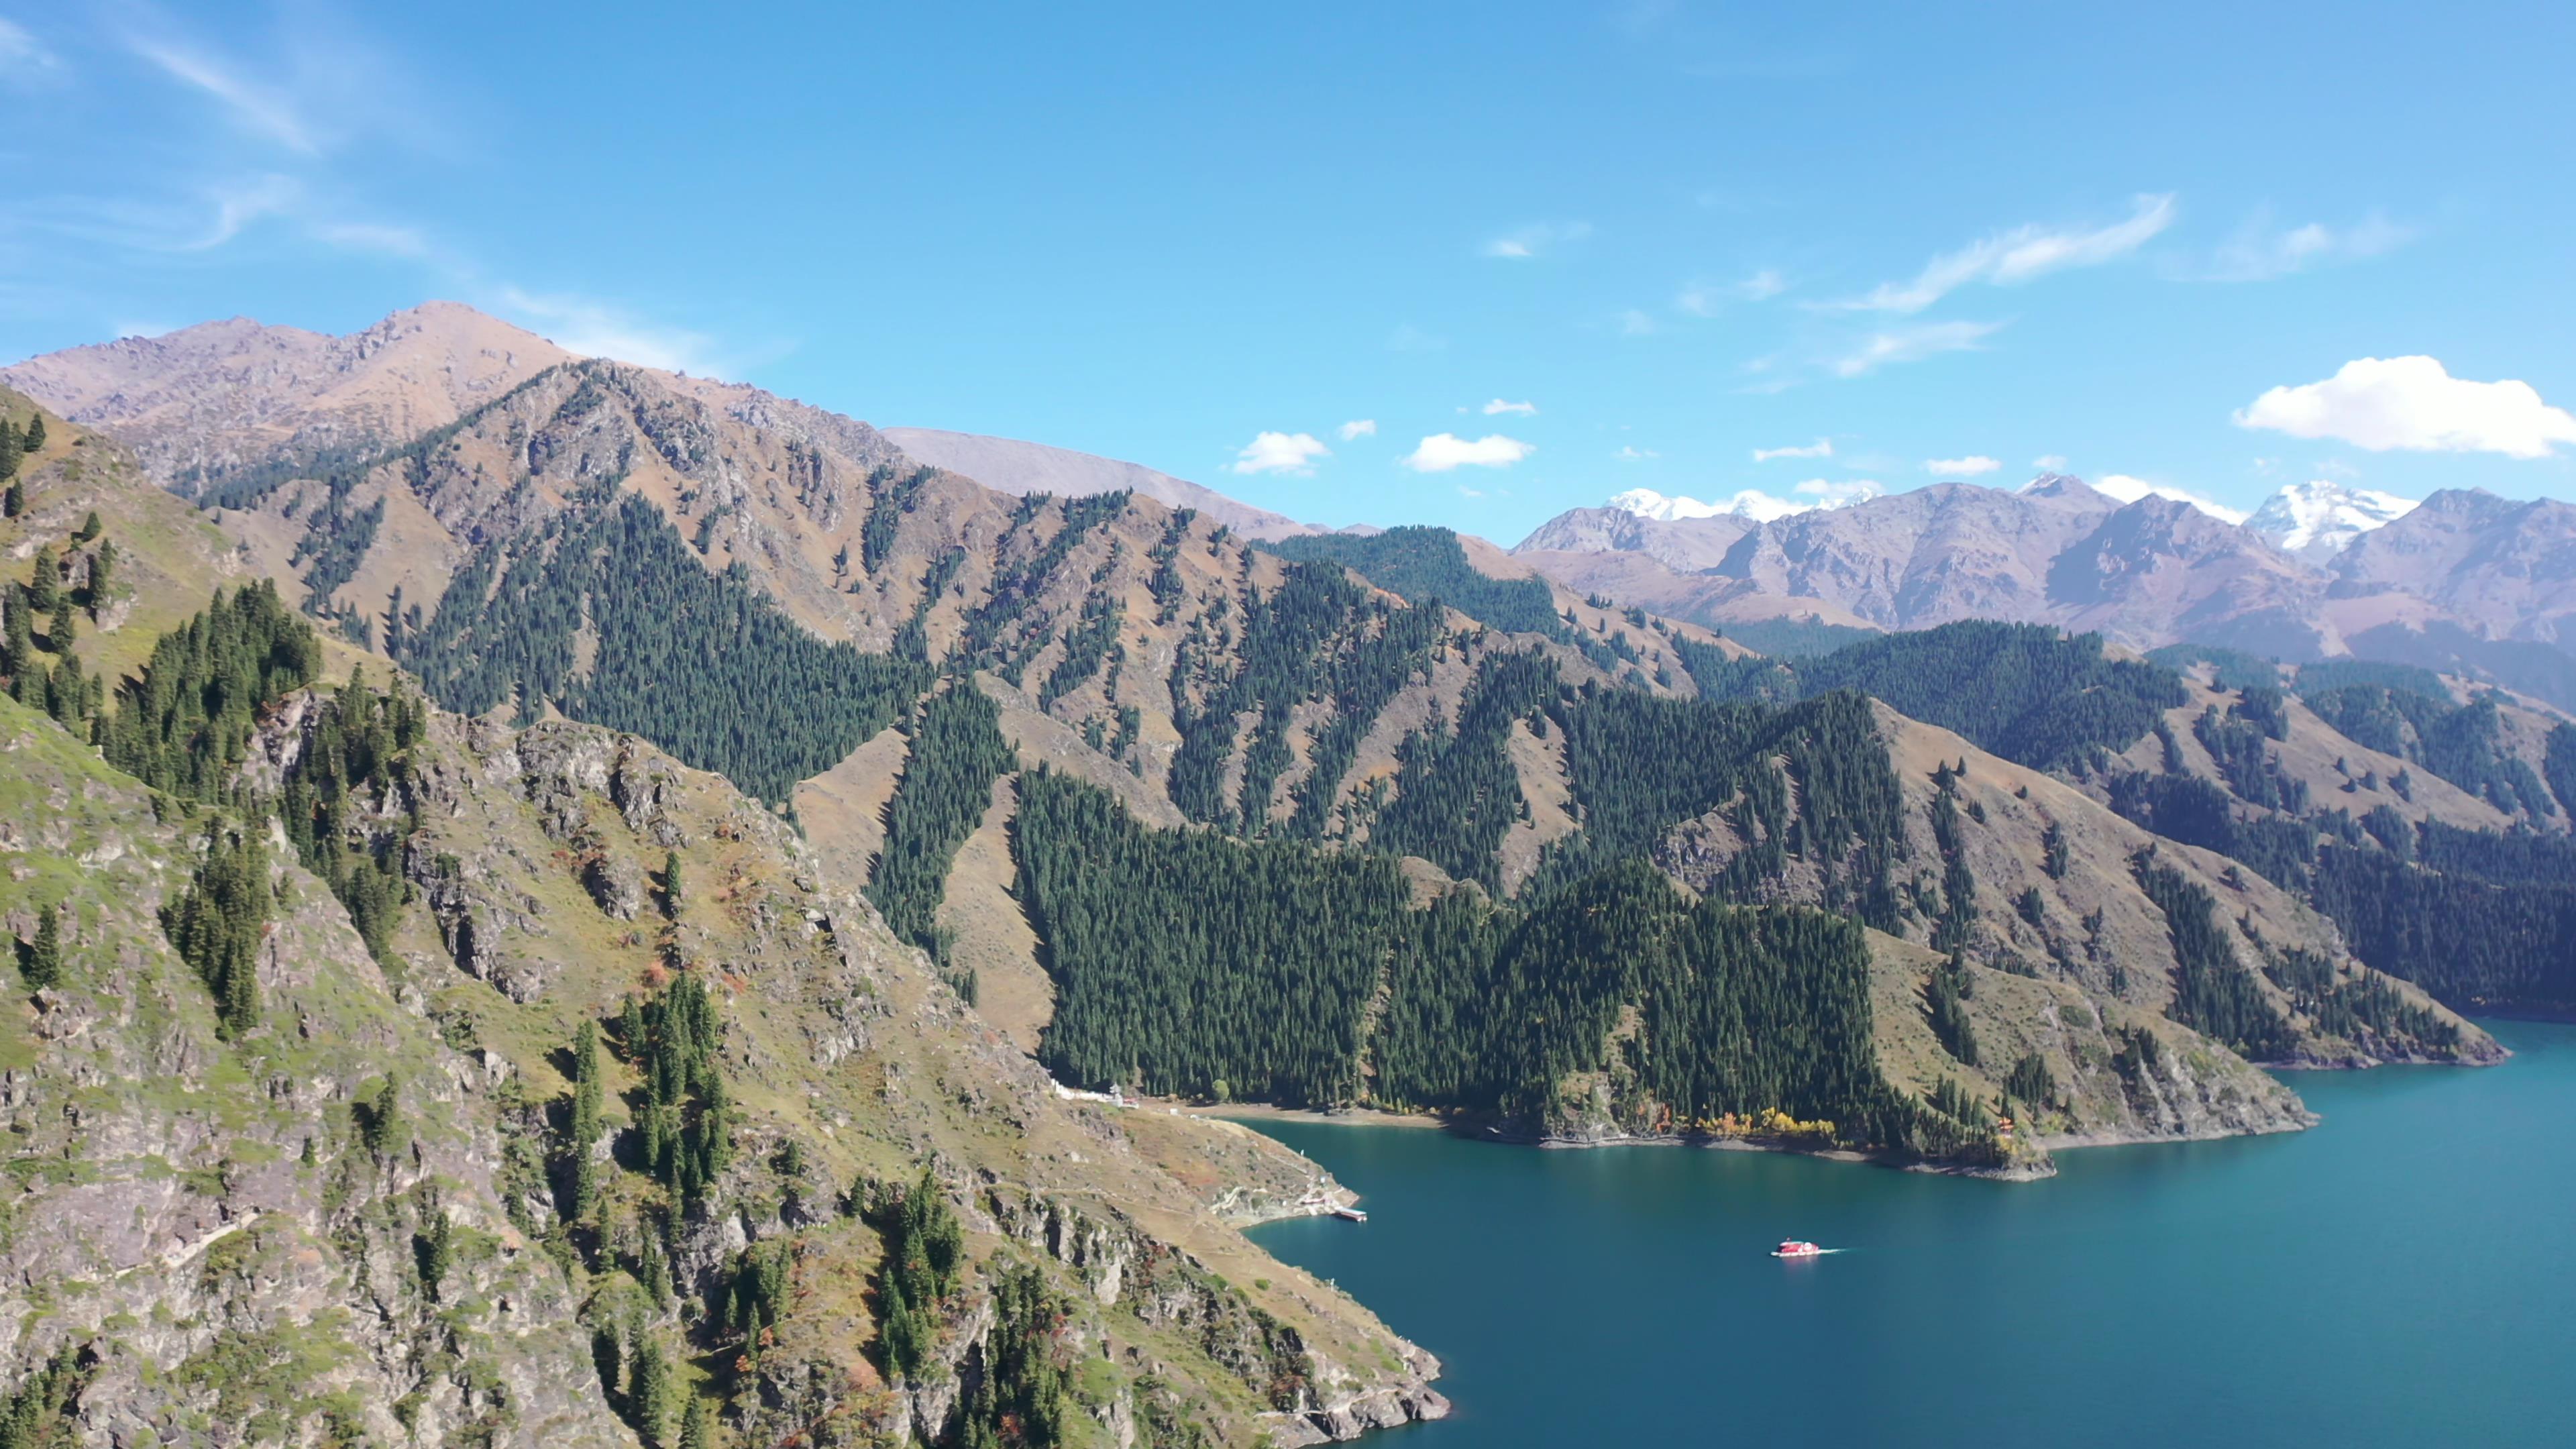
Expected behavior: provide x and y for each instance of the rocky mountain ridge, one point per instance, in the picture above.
(2466, 581)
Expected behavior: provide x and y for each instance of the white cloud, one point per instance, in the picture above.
(257, 107)
(2018, 255)
(2414, 404)
(1631, 453)
(2130, 490)
(1498, 406)
(1762, 286)
(1968, 467)
(2259, 251)
(1466, 492)
(2050, 462)
(1820, 448)
(597, 329)
(1635, 323)
(1536, 239)
(1293, 453)
(1913, 344)
(1358, 428)
(1442, 452)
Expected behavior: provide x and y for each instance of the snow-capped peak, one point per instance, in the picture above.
(2317, 519)
(1752, 503)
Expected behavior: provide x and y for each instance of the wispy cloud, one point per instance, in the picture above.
(259, 108)
(1707, 299)
(2261, 251)
(1290, 453)
(26, 63)
(1535, 240)
(600, 329)
(1820, 448)
(1633, 322)
(1974, 465)
(1409, 338)
(1357, 428)
(2050, 462)
(404, 242)
(1913, 344)
(237, 206)
(1498, 407)
(1443, 452)
(1630, 453)
(2016, 256)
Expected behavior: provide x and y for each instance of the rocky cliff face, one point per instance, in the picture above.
(229, 1235)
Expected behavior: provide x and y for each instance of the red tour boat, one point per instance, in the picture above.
(1793, 1248)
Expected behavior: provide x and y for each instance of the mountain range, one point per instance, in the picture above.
(535, 866)
(2465, 582)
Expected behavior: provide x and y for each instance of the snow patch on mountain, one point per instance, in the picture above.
(2316, 520)
(2130, 490)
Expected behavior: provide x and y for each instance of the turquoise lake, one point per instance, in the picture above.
(2404, 1273)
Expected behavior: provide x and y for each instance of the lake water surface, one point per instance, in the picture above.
(2405, 1273)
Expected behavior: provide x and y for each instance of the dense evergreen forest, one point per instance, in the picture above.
(1639, 764)
(1422, 564)
(676, 652)
(1457, 793)
(1186, 962)
(1192, 963)
(1427, 567)
(957, 752)
(182, 725)
(2022, 691)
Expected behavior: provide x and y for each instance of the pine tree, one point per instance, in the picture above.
(89, 529)
(21, 636)
(697, 1428)
(61, 633)
(44, 590)
(219, 925)
(42, 964)
(15, 502)
(436, 1249)
(102, 573)
(648, 1386)
(12, 450)
(584, 1133)
(671, 884)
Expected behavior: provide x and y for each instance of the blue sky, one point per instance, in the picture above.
(1677, 234)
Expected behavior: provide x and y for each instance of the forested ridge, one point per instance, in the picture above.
(700, 662)
(1189, 963)
(2022, 691)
